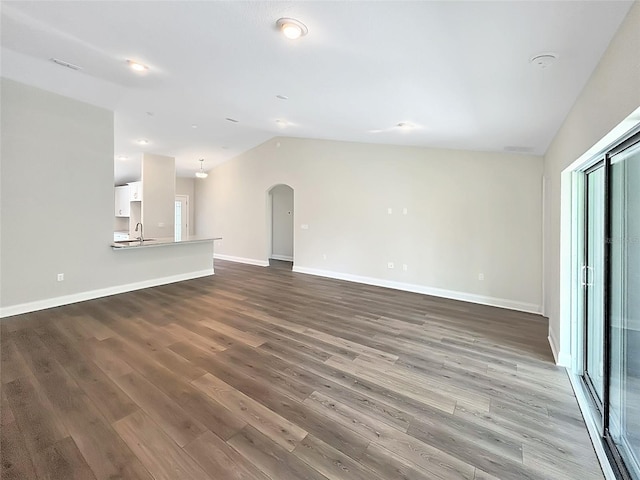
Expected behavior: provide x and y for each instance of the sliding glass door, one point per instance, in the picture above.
(610, 277)
(593, 281)
(624, 341)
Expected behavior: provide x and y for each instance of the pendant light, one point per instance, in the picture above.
(202, 173)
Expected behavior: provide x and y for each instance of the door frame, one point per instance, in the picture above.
(186, 202)
(269, 221)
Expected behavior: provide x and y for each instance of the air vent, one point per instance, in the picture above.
(62, 63)
(518, 149)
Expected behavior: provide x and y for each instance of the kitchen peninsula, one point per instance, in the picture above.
(161, 242)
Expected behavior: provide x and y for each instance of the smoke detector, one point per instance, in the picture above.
(544, 60)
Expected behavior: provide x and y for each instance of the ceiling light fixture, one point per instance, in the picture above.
(194, 126)
(143, 141)
(405, 126)
(201, 173)
(232, 120)
(543, 60)
(292, 28)
(282, 97)
(122, 157)
(137, 67)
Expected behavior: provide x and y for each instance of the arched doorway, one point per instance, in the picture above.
(281, 214)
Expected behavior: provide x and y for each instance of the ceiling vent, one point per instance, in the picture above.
(518, 149)
(62, 63)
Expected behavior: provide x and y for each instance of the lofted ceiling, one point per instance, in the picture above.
(457, 72)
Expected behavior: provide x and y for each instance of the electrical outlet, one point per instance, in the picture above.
(304, 226)
(405, 267)
(390, 211)
(390, 265)
(405, 211)
(481, 276)
(61, 277)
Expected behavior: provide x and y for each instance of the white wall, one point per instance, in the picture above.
(282, 222)
(611, 94)
(468, 213)
(56, 207)
(158, 195)
(186, 186)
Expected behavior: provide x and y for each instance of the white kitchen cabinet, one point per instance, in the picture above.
(122, 201)
(135, 191)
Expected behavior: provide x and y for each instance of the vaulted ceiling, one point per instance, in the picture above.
(458, 73)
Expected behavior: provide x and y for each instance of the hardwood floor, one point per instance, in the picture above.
(261, 373)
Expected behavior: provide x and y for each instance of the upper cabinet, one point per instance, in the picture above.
(122, 201)
(135, 191)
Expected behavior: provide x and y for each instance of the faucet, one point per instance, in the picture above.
(141, 237)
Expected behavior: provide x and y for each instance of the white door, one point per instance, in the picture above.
(182, 217)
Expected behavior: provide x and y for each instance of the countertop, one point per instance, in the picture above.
(161, 242)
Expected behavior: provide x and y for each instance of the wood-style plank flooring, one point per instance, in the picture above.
(261, 373)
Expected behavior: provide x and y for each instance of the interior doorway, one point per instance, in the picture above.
(181, 229)
(281, 215)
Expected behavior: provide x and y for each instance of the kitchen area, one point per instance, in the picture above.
(153, 207)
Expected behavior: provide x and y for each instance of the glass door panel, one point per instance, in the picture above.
(624, 381)
(593, 280)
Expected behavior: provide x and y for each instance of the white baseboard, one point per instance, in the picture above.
(592, 428)
(552, 344)
(436, 292)
(248, 261)
(102, 292)
(561, 358)
(285, 258)
(564, 359)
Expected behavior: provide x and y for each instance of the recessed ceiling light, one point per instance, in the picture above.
(281, 123)
(377, 130)
(405, 126)
(194, 126)
(143, 141)
(62, 63)
(282, 97)
(232, 120)
(137, 67)
(122, 157)
(292, 28)
(543, 60)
